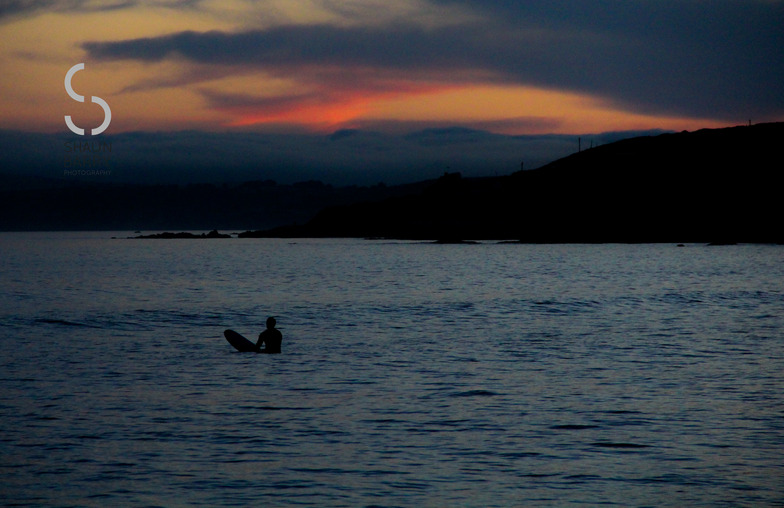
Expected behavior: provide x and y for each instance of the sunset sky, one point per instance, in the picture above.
(316, 66)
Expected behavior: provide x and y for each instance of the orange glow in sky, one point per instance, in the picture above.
(170, 92)
(341, 109)
(317, 116)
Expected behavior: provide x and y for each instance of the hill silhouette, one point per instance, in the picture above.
(40, 204)
(711, 185)
(718, 185)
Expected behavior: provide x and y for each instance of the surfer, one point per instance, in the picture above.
(271, 338)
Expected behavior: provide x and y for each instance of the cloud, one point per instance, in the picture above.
(719, 60)
(724, 57)
(397, 46)
(22, 8)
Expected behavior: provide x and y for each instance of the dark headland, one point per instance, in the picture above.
(712, 186)
(182, 236)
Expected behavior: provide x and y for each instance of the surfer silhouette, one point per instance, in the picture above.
(271, 338)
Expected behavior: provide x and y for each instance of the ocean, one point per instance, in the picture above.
(412, 374)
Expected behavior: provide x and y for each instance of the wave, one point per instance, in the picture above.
(607, 444)
(474, 393)
(64, 322)
(136, 320)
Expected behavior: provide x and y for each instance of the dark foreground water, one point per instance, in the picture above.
(412, 374)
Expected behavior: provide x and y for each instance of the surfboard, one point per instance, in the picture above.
(239, 342)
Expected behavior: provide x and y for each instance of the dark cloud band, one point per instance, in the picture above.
(639, 55)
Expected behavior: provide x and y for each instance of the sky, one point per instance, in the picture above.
(314, 67)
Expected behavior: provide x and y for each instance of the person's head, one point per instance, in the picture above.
(271, 322)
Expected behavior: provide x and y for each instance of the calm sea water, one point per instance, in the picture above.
(412, 374)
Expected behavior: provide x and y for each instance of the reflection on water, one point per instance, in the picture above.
(411, 374)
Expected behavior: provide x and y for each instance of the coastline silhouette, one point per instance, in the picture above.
(708, 186)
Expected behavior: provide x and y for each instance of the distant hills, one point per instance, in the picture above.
(718, 185)
(38, 204)
(344, 157)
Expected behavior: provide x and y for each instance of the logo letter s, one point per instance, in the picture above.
(107, 113)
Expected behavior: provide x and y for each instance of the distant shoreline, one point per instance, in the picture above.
(716, 186)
